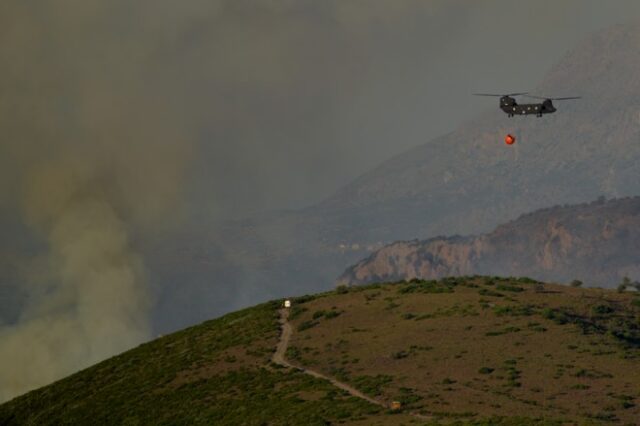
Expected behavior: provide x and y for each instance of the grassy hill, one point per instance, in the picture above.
(467, 351)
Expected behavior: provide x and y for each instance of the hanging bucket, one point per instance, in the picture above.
(509, 139)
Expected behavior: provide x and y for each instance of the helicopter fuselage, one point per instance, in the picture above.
(511, 107)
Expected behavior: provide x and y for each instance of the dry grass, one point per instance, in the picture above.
(482, 349)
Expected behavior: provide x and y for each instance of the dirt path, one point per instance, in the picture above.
(280, 359)
(283, 343)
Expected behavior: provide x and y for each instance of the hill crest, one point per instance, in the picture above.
(470, 350)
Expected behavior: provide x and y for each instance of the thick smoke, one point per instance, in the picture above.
(89, 300)
(92, 161)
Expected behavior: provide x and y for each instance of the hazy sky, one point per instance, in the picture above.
(278, 103)
(119, 119)
(326, 90)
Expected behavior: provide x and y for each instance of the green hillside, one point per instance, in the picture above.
(218, 373)
(467, 351)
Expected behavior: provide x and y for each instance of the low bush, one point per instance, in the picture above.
(342, 289)
(372, 385)
(601, 309)
(506, 287)
(307, 325)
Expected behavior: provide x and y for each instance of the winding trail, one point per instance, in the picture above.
(280, 359)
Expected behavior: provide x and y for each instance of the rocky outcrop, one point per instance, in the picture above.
(597, 243)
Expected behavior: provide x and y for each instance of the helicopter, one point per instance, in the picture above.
(509, 105)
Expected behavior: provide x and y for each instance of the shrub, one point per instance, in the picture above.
(327, 314)
(602, 309)
(556, 316)
(407, 396)
(296, 311)
(399, 355)
(430, 286)
(331, 314)
(627, 404)
(307, 325)
(576, 283)
(592, 374)
(607, 417)
(487, 292)
(506, 287)
(513, 374)
(503, 331)
(527, 280)
(391, 306)
(372, 385)
(304, 299)
(580, 386)
(318, 314)
(293, 353)
(513, 310)
(342, 289)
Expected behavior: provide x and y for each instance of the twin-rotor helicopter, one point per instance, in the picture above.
(512, 108)
(509, 105)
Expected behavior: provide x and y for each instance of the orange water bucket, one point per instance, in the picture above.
(509, 139)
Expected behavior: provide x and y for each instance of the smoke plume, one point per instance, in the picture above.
(89, 300)
(91, 162)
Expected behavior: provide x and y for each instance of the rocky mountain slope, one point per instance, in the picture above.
(464, 351)
(597, 243)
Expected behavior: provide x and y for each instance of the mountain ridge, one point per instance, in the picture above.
(592, 242)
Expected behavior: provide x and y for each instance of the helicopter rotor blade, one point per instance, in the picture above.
(565, 99)
(499, 95)
(554, 99)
